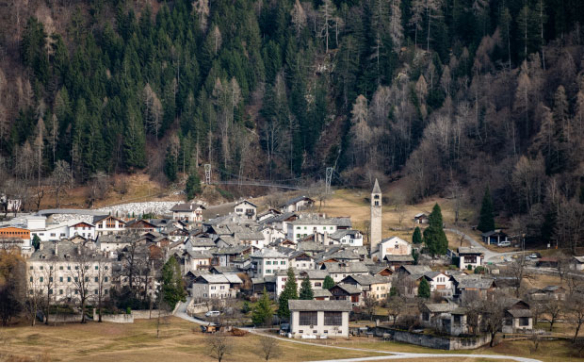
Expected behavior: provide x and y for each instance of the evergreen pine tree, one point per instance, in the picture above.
(328, 283)
(393, 291)
(306, 292)
(172, 285)
(424, 289)
(36, 242)
(262, 312)
(193, 186)
(417, 236)
(434, 235)
(290, 293)
(486, 219)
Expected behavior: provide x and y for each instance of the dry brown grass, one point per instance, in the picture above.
(138, 342)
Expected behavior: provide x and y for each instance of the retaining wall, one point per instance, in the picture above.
(435, 342)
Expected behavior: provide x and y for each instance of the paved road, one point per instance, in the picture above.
(389, 354)
(181, 312)
(490, 256)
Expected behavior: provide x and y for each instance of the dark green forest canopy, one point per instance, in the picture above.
(465, 92)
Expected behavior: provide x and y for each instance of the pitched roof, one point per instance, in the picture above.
(186, 207)
(245, 201)
(481, 284)
(441, 308)
(376, 188)
(319, 305)
(349, 288)
(520, 313)
(268, 253)
(398, 258)
(297, 199)
(345, 267)
(469, 251)
(321, 293)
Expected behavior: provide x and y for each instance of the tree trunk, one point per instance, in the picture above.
(577, 331)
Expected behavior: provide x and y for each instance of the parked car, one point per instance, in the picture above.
(212, 313)
(504, 244)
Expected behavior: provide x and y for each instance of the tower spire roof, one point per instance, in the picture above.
(376, 188)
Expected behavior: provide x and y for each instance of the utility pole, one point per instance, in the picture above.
(208, 174)
(329, 178)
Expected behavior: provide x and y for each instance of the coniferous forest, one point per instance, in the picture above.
(456, 95)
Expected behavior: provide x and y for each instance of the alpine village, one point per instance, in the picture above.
(292, 180)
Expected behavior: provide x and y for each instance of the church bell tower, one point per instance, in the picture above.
(375, 228)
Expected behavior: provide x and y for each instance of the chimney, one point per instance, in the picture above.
(56, 249)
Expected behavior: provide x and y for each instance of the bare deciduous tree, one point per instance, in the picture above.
(270, 348)
(219, 345)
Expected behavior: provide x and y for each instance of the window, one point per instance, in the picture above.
(42, 267)
(76, 279)
(299, 331)
(425, 316)
(69, 268)
(53, 234)
(96, 279)
(51, 279)
(268, 271)
(213, 287)
(523, 321)
(268, 262)
(76, 267)
(76, 292)
(457, 320)
(61, 279)
(105, 292)
(222, 287)
(31, 267)
(308, 318)
(317, 284)
(41, 279)
(31, 279)
(68, 279)
(282, 262)
(51, 291)
(61, 268)
(96, 292)
(30, 292)
(333, 318)
(106, 267)
(87, 279)
(60, 291)
(97, 267)
(509, 321)
(105, 279)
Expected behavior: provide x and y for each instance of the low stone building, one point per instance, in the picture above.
(316, 318)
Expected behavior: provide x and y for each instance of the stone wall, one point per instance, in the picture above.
(432, 341)
(145, 314)
(64, 318)
(115, 318)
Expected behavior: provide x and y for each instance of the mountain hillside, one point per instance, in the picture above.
(454, 95)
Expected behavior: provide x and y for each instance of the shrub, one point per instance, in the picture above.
(128, 310)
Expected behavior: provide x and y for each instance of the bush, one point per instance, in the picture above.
(479, 270)
(128, 310)
(453, 267)
(469, 267)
